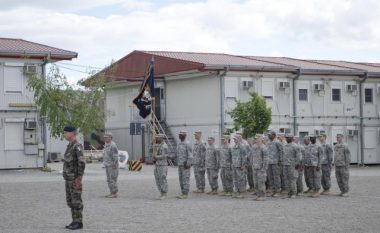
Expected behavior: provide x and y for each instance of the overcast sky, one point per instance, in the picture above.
(105, 30)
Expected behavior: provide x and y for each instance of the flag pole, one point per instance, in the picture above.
(153, 107)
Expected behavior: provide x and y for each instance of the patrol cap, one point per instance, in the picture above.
(182, 132)
(312, 136)
(339, 135)
(160, 135)
(237, 136)
(258, 136)
(198, 132)
(211, 138)
(322, 135)
(69, 128)
(271, 132)
(306, 137)
(108, 134)
(226, 136)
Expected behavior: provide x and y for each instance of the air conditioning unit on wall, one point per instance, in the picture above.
(351, 87)
(30, 124)
(283, 85)
(54, 157)
(319, 87)
(247, 84)
(352, 132)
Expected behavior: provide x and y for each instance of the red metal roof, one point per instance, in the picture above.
(133, 66)
(10, 47)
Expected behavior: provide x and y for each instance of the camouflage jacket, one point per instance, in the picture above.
(199, 153)
(183, 154)
(258, 157)
(212, 158)
(275, 151)
(74, 162)
(239, 156)
(327, 154)
(111, 154)
(161, 153)
(225, 156)
(342, 155)
(292, 155)
(313, 155)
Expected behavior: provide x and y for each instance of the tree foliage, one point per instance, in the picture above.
(62, 104)
(252, 117)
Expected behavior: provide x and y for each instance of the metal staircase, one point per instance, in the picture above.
(163, 128)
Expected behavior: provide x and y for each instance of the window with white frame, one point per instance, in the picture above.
(13, 80)
(231, 88)
(368, 95)
(267, 89)
(303, 95)
(336, 94)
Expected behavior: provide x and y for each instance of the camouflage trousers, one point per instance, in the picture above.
(290, 175)
(282, 178)
(314, 178)
(342, 177)
(250, 176)
(212, 175)
(199, 174)
(74, 200)
(307, 174)
(112, 174)
(300, 181)
(274, 171)
(259, 179)
(226, 175)
(326, 176)
(184, 179)
(239, 178)
(160, 173)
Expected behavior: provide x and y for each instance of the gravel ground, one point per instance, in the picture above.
(34, 201)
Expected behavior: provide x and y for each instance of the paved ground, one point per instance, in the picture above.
(33, 201)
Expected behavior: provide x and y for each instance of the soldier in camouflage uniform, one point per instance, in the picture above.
(239, 166)
(313, 158)
(199, 158)
(73, 170)
(111, 163)
(301, 165)
(225, 162)
(160, 155)
(258, 158)
(306, 142)
(291, 164)
(212, 166)
(342, 163)
(327, 159)
(275, 153)
(250, 169)
(184, 158)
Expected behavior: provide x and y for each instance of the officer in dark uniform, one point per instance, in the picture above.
(73, 169)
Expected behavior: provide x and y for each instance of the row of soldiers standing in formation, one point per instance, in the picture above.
(271, 164)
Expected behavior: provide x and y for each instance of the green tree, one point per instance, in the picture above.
(252, 117)
(63, 104)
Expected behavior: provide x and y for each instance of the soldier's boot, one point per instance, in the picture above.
(228, 194)
(300, 194)
(112, 195)
(308, 191)
(234, 194)
(315, 194)
(67, 227)
(325, 192)
(344, 194)
(108, 195)
(284, 192)
(240, 195)
(292, 196)
(182, 196)
(199, 191)
(254, 191)
(276, 194)
(76, 226)
(163, 196)
(260, 199)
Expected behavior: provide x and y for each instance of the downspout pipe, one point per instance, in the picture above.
(222, 97)
(44, 125)
(298, 74)
(361, 101)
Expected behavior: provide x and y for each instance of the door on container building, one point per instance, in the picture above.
(159, 108)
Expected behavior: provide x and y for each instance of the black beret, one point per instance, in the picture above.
(69, 129)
